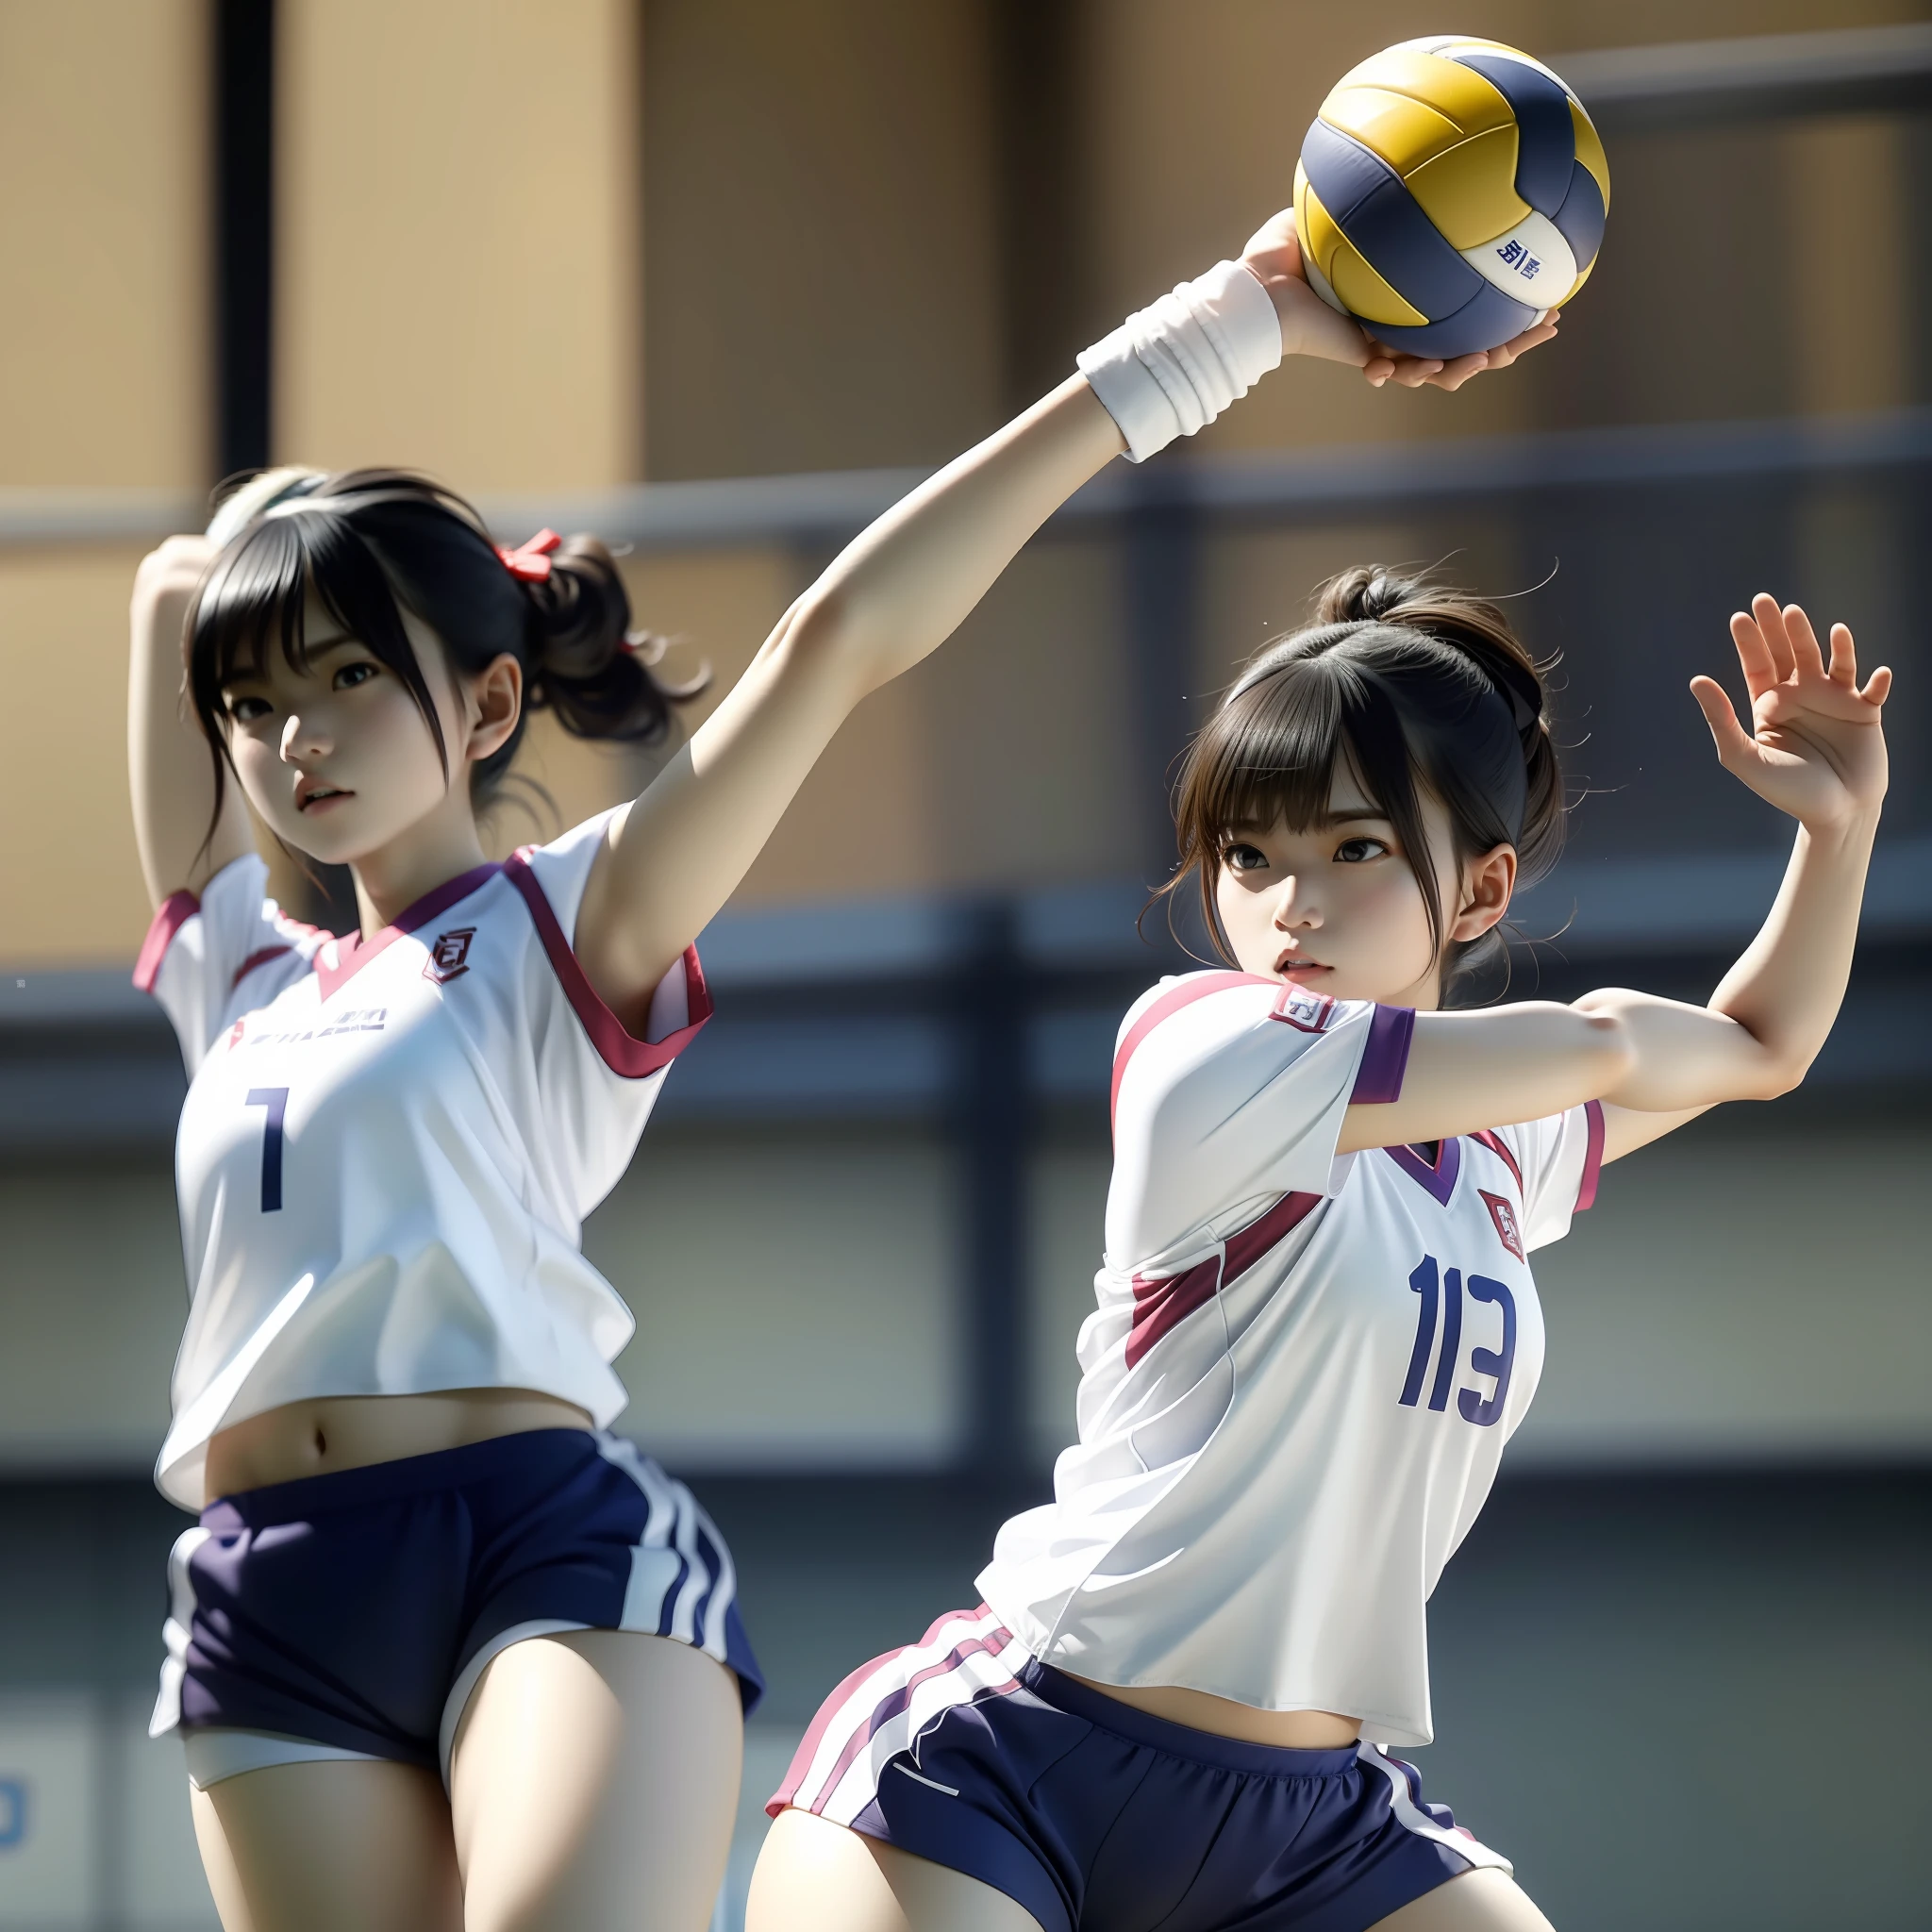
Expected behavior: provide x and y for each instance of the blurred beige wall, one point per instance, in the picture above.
(558, 244)
(457, 239)
(104, 380)
(104, 359)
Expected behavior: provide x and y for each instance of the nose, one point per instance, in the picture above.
(302, 737)
(1294, 912)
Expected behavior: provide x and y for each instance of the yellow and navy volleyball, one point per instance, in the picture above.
(1451, 192)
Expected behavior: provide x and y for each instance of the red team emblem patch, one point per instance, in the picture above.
(449, 955)
(1504, 1214)
(1307, 1012)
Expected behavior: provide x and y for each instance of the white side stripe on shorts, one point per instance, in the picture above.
(176, 1631)
(1412, 1816)
(682, 1579)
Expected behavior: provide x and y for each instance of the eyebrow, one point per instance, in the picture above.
(1326, 822)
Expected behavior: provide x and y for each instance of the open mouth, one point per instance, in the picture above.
(1296, 966)
(313, 797)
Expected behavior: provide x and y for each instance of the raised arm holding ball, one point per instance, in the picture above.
(1178, 1703)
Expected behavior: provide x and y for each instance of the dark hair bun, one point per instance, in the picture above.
(1371, 593)
(1366, 593)
(583, 666)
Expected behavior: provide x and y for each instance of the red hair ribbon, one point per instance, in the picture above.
(530, 562)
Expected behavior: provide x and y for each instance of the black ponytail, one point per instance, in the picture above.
(369, 545)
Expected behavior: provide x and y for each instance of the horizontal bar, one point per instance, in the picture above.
(1761, 76)
(1315, 485)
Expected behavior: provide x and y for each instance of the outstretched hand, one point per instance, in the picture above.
(1816, 747)
(1310, 327)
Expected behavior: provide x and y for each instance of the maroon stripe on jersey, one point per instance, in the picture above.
(171, 915)
(1163, 1304)
(1494, 1143)
(1385, 1059)
(353, 952)
(1593, 1155)
(621, 1051)
(1164, 1008)
(255, 960)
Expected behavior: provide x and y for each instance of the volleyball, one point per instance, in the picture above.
(1450, 194)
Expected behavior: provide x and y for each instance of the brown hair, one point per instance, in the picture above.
(1418, 686)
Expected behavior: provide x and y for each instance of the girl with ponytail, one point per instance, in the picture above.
(1178, 1702)
(443, 1652)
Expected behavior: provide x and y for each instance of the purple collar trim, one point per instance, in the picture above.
(1438, 1176)
(354, 952)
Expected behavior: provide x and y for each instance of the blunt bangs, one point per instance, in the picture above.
(257, 599)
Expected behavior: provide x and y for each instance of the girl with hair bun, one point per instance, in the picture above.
(443, 1652)
(1316, 1325)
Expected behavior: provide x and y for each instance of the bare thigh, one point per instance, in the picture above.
(816, 1876)
(318, 1847)
(1483, 1901)
(593, 1785)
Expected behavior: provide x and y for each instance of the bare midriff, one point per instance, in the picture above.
(1287, 1730)
(337, 1432)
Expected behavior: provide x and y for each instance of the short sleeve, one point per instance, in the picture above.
(208, 961)
(1557, 1160)
(1230, 1089)
(596, 1080)
(552, 880)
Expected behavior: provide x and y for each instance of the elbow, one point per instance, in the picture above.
(1609, 1049)
(1777, 1078)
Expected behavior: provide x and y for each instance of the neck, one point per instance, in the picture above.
(436, 849)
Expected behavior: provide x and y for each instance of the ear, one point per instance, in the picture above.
(1488, 882)
(496, 698)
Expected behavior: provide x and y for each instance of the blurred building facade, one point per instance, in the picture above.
(718, 278)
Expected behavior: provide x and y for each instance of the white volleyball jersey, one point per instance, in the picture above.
(389, 1145)
(1302, 1370)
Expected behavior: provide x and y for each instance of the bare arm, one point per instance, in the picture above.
(168, 769)
(889, 599)
(1817, 750)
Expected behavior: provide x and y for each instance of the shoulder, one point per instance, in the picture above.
(552, 877)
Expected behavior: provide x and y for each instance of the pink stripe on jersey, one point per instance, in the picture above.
(1163, 1304)
(260, 958)
(1166, 1005)
(621, 1050)
(1385, 1059)
(1489, 1138)
(171, 915)
(1592, 1154)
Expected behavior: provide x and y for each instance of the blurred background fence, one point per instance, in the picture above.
(720, 278)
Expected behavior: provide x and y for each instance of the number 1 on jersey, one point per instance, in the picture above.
(274, 1099)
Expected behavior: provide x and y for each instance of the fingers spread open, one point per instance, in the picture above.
(1715, 703)
(1806, 658)
(1770, 625)
(1878, 686)
(1844, 656)
(1754, 655)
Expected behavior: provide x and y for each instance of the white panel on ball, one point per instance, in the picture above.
(1533, 261)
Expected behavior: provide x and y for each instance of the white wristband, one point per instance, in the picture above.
(1173, 367)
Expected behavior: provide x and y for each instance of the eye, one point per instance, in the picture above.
(1244, 859)
(246, 710)
(1359, 851)
(350, 676)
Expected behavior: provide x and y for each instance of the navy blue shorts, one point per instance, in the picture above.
(351, 1615)
(965, 1750)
